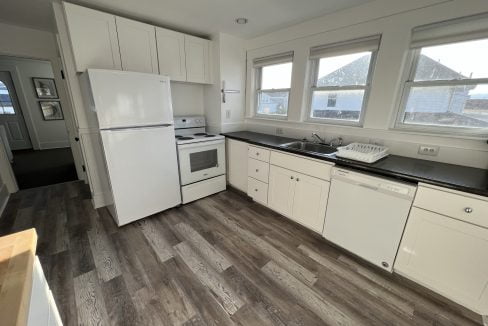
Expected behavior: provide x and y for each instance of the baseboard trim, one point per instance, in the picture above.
(4, 197)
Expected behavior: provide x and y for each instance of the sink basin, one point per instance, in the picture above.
(304, 146)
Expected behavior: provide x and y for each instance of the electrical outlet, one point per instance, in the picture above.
(227, 114)
(428, 150)
(279, 131)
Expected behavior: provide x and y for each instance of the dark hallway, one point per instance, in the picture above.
(40, 168)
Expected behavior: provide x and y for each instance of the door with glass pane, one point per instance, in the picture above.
(11, 116)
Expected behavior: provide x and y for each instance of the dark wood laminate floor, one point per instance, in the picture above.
(222, 260)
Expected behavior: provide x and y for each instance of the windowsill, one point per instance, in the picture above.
(438, 132)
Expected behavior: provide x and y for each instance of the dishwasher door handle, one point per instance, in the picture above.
(368, 186)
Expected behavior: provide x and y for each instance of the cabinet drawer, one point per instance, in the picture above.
(259, 153)
(306, 166)
(464, 207)
(257, 190)
(258, 170)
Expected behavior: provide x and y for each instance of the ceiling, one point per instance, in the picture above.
(199, 17)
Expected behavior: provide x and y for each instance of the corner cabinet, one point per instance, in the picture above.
(445, 246)
(137, 43)
(93, 37)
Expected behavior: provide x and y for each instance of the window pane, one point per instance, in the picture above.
(340, 105)
(453, 61)
(344, 70)
(453, 106)
(6, 106)
(273, 103)
(276, 76)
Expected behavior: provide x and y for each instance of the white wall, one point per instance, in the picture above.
(187, 98)
(394, 20)
(44, 134)
(27, 42)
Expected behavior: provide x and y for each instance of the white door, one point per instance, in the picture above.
(171, 54)
(11, 115)
(143, 171)
(93, 36)
(130, 99)
(281, 190)
(310, 202)
(137, 42)
(448, 256)
(197, 59)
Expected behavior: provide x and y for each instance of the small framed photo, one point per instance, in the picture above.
(45, 88)
(51, 110)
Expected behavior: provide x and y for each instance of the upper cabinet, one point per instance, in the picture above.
(93, 36)
(137, 42)
(197, 56)
(104, 41)
(171, 54)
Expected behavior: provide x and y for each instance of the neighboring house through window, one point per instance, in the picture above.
(341, 80)
(447, 88)
(273, 83)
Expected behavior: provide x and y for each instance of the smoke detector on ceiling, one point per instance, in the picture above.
(241, 20)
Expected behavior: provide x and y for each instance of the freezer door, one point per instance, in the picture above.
(143, 171)
(129, 99)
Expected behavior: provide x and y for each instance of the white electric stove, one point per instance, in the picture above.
(201, 158)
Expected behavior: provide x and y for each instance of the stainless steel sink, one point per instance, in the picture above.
(304, 146)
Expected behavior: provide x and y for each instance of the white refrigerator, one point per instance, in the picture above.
(135, 118)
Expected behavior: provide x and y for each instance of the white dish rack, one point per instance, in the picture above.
(367, 153)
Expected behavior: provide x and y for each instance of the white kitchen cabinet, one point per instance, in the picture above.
(171, 54)
(310, 201)
(281, 190)
(137, 43)
(197, 56)
(257, 190)
(448, 256)
(93, 38)
(237, 164)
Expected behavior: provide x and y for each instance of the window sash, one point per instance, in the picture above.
(315, 63)
(274, 90)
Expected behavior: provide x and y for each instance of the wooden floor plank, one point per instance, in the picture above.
(89, 300)
(150, 229)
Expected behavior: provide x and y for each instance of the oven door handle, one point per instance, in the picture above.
(201, 144)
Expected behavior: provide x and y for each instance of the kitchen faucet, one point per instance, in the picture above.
(317, 137)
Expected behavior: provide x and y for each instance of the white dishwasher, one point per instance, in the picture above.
(366, 215)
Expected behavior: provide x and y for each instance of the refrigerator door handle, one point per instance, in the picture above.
(163, 125)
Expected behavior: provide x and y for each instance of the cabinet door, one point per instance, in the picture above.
(237, 164)
(171, 54)
(93, 36)
(281, 190)
(137, 42)
(448, 256)
(197, 54)
(310, 201)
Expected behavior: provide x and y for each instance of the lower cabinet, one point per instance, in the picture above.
(298, 196)
(236, 152)
(42, 308)
(447, 255)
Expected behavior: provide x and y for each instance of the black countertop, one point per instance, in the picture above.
(408, 169)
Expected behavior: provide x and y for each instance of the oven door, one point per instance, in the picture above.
(200, 161)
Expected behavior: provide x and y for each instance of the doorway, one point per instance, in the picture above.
(32, 123)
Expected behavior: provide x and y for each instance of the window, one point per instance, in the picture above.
(273, 85)
(341, 75)
(6, 106)
(447, 87)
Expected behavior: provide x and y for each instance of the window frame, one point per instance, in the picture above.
(408, 83)
(314, 72)
(259, 90)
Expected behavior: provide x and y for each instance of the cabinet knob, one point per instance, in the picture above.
(291, 177)
(385, 264)
(298, 179)
(255, 190)
(468, 210)
(257, 170)
(257, 153)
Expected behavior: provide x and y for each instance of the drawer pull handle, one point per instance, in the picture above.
(257, 170)
(468, 210)
(298, 179)
(255, 190)
(291, 177)
(257, 153)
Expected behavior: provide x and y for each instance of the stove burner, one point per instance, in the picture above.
(200, 134)
(208, 136)
(185, 138)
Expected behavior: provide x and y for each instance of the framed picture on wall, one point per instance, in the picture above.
(45, 88)
(51, 110)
